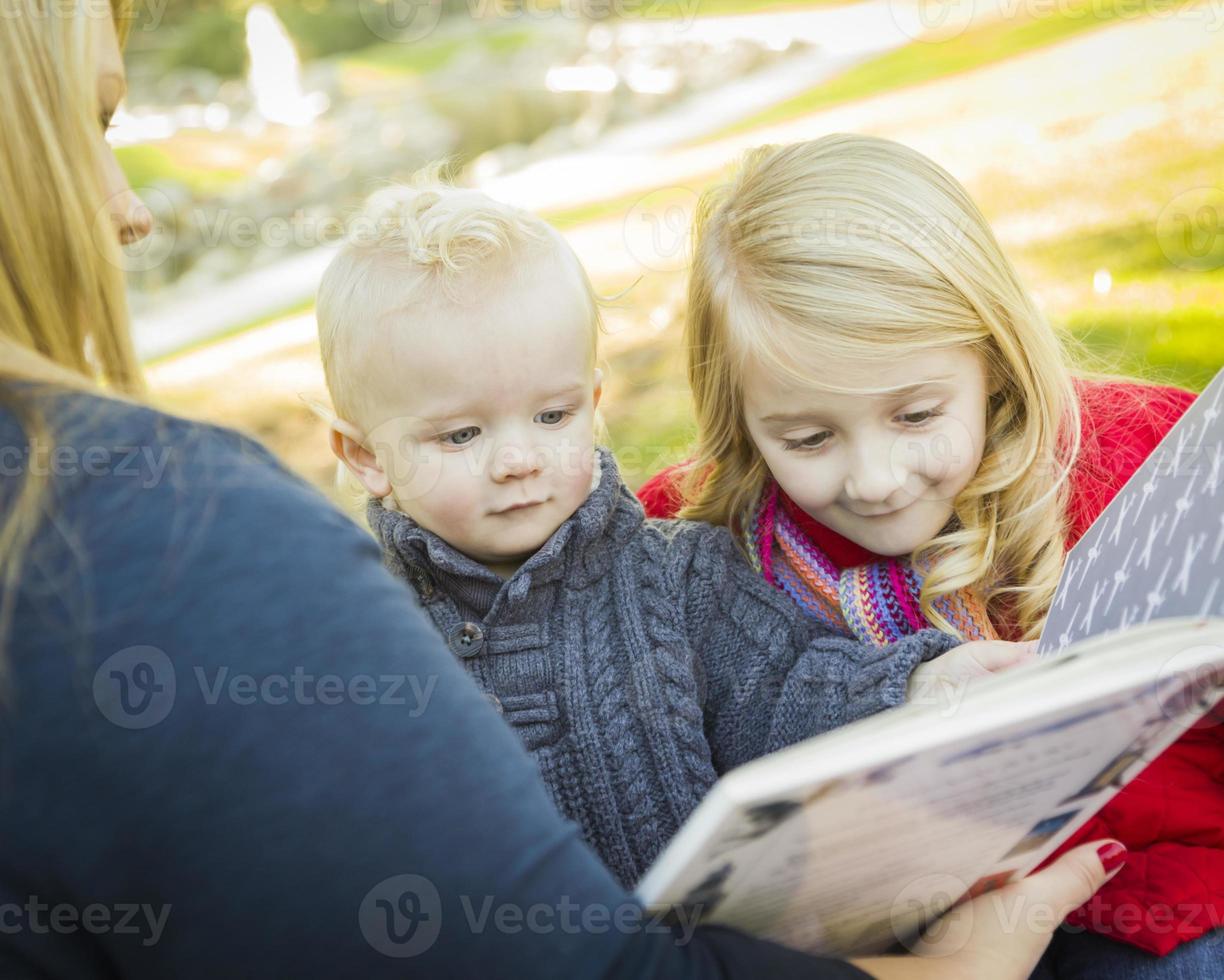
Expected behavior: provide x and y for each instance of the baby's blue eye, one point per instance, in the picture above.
(461, 436)
(553, 416)
(917, 418)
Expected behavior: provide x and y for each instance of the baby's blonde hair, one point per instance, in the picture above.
(858, 248)
(414, 245)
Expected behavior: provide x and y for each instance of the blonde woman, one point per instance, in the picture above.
(230, 743)
(892, 430)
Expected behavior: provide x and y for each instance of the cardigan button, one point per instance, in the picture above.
(466, 640)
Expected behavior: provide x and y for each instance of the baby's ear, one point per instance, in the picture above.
(598, 386)
(348, 445)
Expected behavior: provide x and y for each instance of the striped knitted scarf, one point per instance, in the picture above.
(876, 603)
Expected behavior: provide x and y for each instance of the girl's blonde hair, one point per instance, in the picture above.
(858, 248)
(412, 245)
(63, 310)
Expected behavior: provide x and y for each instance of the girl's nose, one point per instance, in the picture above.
(873, 477)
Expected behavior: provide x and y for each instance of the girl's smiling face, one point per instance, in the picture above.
(881, 467)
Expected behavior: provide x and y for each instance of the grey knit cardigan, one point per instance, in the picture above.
(639, 659)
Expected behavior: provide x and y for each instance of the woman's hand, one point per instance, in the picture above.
(939, 681)
(1001, 935)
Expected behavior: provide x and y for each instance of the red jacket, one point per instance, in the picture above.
(1172, 817)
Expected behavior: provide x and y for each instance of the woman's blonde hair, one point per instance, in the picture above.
(63, 309)
(856, 248)
(412, 245)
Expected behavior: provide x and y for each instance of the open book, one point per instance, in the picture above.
(853, 841)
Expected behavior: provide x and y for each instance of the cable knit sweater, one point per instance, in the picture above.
(638, 659)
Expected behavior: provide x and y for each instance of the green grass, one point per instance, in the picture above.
(1159, 174)
(149, 163)
(1135, 252)
(434, 52)
(419, 58)
(1159, 189)
(1182, 346)
(1130, 252)
(680, 9)
(647, 410)
(924, 61)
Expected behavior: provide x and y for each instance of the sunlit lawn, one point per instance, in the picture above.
(652, 9)
(504, 30)
(427, 54)
(926, 60)
(201, 161)
(1128, 208)
(1162, 318)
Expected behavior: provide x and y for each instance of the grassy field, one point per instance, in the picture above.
(924, 61)
(658, 9)
(1117, 232)
(435, 51)
(176, 162)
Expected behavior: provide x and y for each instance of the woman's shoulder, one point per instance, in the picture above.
(150, 493)
(95, 446)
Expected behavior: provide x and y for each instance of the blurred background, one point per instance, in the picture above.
(1090, 132)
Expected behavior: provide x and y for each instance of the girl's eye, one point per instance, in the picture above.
(917, 418)
(461, 437)
(554, 416)
(807, 442)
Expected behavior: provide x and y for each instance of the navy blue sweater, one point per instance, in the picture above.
(232, 745)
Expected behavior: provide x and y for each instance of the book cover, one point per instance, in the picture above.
(1157, 550)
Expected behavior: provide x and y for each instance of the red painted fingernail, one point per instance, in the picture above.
(1112, 856)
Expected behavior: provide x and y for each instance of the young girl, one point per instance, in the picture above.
(890, 428)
